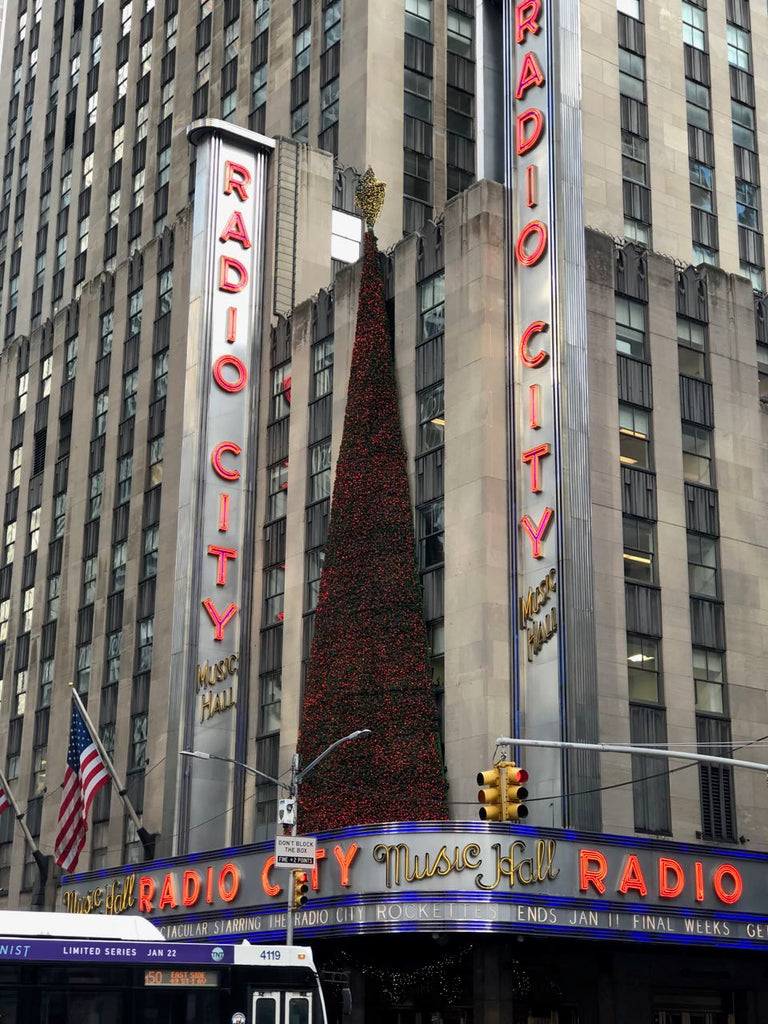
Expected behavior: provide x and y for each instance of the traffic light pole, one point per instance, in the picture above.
(297, 777)
(294, 788)
(630, 748)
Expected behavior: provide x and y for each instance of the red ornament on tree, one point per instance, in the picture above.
(368, 665)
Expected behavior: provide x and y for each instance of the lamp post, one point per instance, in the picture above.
(297, 777)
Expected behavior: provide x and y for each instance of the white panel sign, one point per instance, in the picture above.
(295, 851)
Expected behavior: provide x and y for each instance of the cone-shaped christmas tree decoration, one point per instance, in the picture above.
(368, 664)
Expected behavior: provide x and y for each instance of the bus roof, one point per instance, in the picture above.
(94, 928)
(78, 926)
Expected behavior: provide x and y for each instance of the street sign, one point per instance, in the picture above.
(286, 811)
(295, 851)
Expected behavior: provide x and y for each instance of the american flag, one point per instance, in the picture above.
(4, 801)
(84, 777)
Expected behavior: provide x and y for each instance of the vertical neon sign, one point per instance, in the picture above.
(217, 488)
(533, 358)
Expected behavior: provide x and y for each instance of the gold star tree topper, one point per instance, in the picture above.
(369, 197)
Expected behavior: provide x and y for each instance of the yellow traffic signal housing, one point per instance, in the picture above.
(490, 797)
(516, 793)
(300, 889)
(503, 792)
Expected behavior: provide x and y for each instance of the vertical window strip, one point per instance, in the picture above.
(430, 449)
(418, 116)
(460, 101)
(743, 118)
(645, 692)
(328, 137)
(634, 123)
(302, 55)
(267, 739)
(701, 158)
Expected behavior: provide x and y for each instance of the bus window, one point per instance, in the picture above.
(61, 1007)
(265, 1009)
(298, 1010)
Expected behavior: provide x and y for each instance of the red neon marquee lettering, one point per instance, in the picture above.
(632, 877)
(190, 888)
(533, 406)
(221, 569)
(532, 117)
(593, 867)
(533, 229)
(530, 186)
(526, 14)
(231, 324)
(225, 448)
(229, 873)
(231, 387)
(236, 177)
(728, 871)
(227, 266)
(219, 620)
(223, 513)
(533, 456)
(698, 874)
(537, 327)
(236, 231)
(315, 876)
(146, 892)
(530, 75)
(537, 533)
(269, 889)
(345, 860)
(209, 885)
(168, 897)
(669, 889)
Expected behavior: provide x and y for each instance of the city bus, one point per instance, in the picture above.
(98, 969)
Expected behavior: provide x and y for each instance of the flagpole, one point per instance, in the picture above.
(147, 839)
(19, 815)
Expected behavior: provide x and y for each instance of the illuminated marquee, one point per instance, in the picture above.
(460, 876)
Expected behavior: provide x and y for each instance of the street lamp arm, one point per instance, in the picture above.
(358, 734)
(203, 756)
(297, 777)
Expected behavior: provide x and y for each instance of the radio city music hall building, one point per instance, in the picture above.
(574, 277)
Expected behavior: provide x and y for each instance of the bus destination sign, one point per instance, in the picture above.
(62, 950)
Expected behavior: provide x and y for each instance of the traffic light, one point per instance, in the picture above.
(490, 796)
(503, 792)
(516, 793)
(300, 889)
